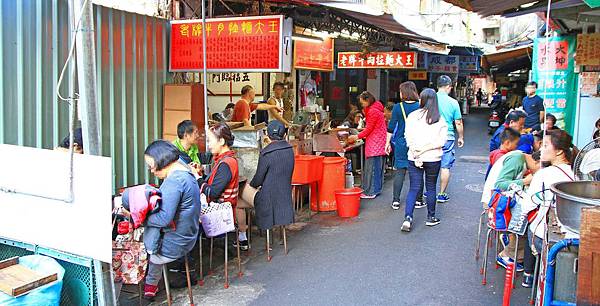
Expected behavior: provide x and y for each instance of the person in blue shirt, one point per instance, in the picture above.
(516, 121)
(450, 111)
(533, 105)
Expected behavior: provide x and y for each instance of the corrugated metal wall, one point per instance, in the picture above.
(131, 64)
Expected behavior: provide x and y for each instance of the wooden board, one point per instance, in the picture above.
(16, 279)
(235, 125)
(588, 281)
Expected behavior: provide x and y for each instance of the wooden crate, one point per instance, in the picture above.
(16, 279)
(588, 281)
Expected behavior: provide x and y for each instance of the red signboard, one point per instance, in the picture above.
(233, 44)
(417, 75)
(385, 60)
(314, 55)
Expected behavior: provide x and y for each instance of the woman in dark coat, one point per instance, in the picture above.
(273, 201)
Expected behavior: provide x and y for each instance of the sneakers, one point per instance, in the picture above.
(420, 204)
(504, 261)
(367, 196)
(527, 280)
(443, 197)
(243, 245)
(432, 221)
(396, 205)
(150, 292)
(504, 240)
(406, 224)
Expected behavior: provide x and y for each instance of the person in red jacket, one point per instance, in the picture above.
(375, 134)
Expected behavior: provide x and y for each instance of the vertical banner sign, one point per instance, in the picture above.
(384, 60)
(241, 44)
(554, 70)
(443, 63)
(314, 55)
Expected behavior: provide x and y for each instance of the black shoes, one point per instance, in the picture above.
(432, 221)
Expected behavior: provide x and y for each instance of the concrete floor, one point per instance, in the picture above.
(368, 260)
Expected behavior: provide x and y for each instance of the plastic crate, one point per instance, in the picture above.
(78, 283)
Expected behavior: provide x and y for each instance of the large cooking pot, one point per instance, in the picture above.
(571, 197)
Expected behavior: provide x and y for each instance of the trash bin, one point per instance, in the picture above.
(48, 294)
(334, 178)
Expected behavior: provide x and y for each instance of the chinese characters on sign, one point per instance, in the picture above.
(589, 83)
(588, 49)
(556, 77)
(443, 63)
(469, 63)
(314, 55)
(231, 83)
(553, 56)
(386, 60)
(233, 44)
(417, 75)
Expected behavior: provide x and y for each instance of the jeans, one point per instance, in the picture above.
(529, 260)
(373, 175)
(431, 170)
(399, 183)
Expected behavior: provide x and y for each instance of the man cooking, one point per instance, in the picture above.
(245, 106)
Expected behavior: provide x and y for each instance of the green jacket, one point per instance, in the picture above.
(192, 152)
(512, 172)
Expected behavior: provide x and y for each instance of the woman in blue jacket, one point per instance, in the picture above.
(395, 136)
(180, 204)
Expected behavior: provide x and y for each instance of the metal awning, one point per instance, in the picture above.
(509, 60)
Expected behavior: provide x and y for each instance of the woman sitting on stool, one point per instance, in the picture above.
(273, 201)
(180, 204)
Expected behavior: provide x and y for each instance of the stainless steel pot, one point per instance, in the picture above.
(571, 197)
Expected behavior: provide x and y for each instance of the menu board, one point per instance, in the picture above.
(588, 49)
(314, 55)
(232, 44)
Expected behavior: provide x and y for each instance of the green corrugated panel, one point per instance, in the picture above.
(131, 70)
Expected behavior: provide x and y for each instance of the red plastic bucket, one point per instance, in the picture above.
(348, 202)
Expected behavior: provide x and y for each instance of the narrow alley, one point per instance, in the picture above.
(368, 261)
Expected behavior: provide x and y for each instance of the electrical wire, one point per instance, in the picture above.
(70, 56)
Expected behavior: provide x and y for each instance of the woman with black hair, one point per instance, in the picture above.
(222, 183)
(426, 133)
(180, 204)
(558, 153)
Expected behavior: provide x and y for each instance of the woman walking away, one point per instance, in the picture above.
(395, 136)
(180, 204)
(425, 135)
(375, 134)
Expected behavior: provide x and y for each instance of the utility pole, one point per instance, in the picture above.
(88, 104)
(86, 64)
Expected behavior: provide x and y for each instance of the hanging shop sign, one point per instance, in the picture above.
(385, 60)
(442, 63)
(553, 69)
(314, 55)
(417, 75)
(226, 83)
(469, 63)
(245, 44)
(588, 49)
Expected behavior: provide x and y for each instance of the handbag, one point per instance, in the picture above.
(129, 259)
(217, 219)
(499, 214)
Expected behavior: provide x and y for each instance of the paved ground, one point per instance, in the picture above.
(368, 260)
